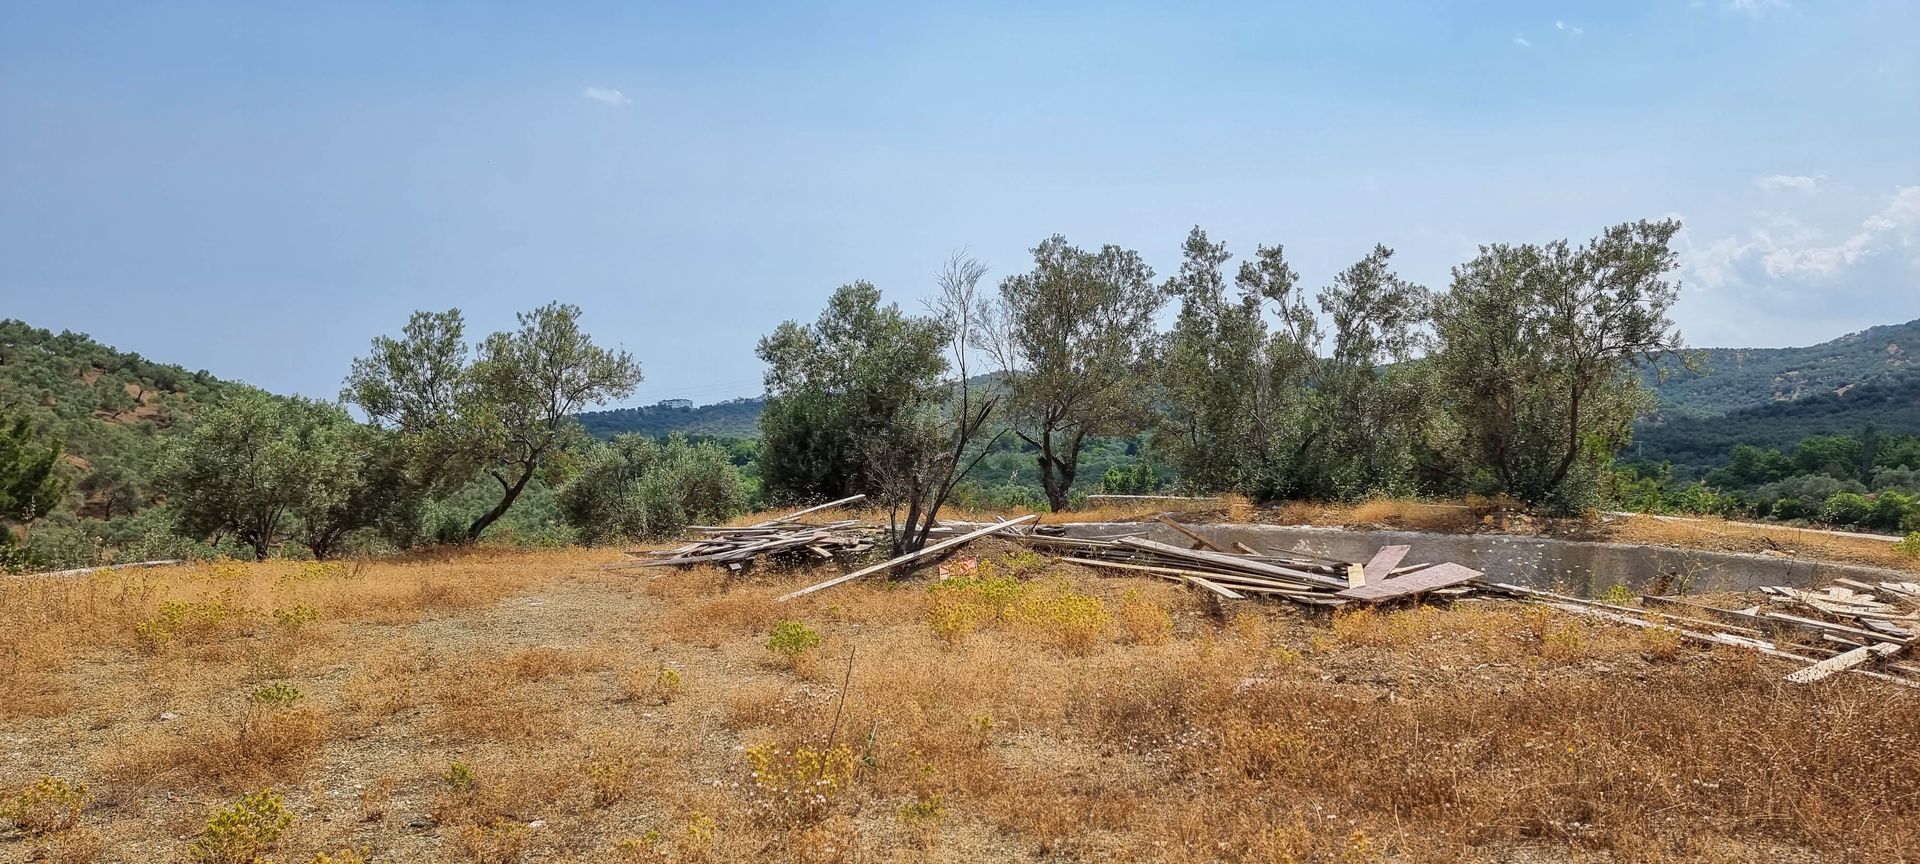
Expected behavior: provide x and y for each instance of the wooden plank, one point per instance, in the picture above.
(1596, 604)
(1234, 562)
(1244, 548)
(909, 557)
(1842, 662)
(1217, 589)
(1204, 542)
(814, 509)
(1229, 578)
(1381, 565)
(1437, 576)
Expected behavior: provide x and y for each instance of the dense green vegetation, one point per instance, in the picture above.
(1523, 379)
(1869, 479)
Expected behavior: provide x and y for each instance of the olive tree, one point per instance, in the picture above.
(1239, 373)
(255, 466)
(1539, 347)
(835, 385)
(504, 413)
(1069, 336)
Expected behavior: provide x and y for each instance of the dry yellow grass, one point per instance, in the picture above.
(502, 707)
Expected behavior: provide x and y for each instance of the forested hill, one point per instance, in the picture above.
(1734, 379)
(107, 407)
(737, 418)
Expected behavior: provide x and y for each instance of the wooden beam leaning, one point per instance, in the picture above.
(815, 508)
(910, 556)
(1381, 565)
(1204, 542)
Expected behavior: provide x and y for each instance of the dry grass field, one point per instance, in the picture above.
(504, 706)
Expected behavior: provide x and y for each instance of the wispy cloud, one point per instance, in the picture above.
(606, 95)
(1755, 7)
(1798, 182)
(1568, 29)
(1522, 42)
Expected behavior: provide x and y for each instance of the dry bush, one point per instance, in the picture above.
(753, 703)
(499, 842)
(260, 743)
(739, 612)
(1144, 621)
(49, 806)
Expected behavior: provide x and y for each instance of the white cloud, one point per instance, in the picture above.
(607, 95)
(1522, 42)
(1568, 28)
(1799, 182)
(1785, 249)
(1754, 7)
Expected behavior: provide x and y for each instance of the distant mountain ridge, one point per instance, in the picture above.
(1734, 379)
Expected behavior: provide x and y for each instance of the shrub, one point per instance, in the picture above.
(460, 778)
(792, 640)
(799, 785)
(341, 856)
(1143, 621)
(46, 807)
(1910, 546)
(1891, 510)
(1073, 620)
(244, 831)
(279, 694)
(635, 487)
(1846, 508)
(293, 618)
(608, 780)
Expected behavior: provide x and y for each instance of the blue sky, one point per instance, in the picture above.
(258, 189)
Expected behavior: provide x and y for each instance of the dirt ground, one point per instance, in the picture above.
(519, 706)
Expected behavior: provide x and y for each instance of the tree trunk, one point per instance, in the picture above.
(511, 493)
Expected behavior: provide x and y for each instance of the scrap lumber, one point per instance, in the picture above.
(1199, 541)
(909, 557)
(1216, 588)
(1841, 662)
(1233, 562)
(1381, 565)
(1720, 639)
(814, 509)
(1437, 576)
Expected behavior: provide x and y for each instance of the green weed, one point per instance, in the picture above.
(243, 832)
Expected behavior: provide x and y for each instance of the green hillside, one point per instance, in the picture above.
(736, 418)
(1733, 379)
(109, 408)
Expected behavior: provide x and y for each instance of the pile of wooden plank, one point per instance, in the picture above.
(1849, 627)
(735, 546)
(1236, 573)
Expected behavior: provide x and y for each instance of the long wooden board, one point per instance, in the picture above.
(910, 556)
(1437, 576)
